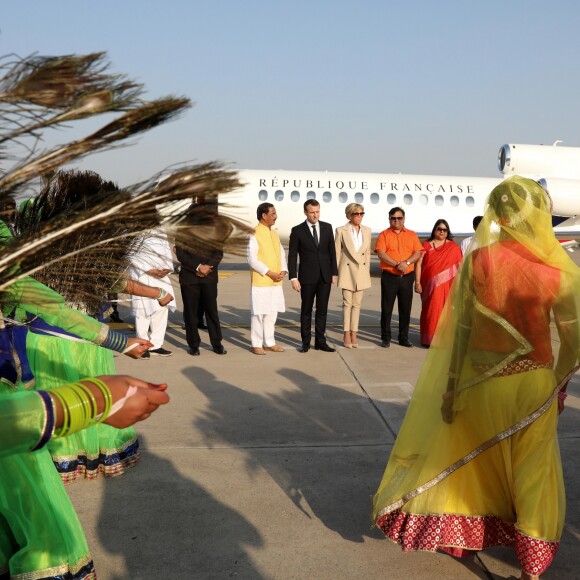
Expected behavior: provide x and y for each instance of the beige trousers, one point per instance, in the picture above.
(351, 301)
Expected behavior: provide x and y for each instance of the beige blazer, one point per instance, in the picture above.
(354, 268)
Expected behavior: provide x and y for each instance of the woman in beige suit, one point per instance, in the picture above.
(353, 256)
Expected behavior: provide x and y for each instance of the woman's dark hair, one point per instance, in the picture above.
(437, 224)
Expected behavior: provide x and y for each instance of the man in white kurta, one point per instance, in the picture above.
(151, 265)
(267, 261)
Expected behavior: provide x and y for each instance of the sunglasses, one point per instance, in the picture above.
(442, 229)
(357, 213)
(396, 219)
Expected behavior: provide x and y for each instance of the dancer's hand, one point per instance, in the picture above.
(561, 397)
(138, 407)
(142, 346)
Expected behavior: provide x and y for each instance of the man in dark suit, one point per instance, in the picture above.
(312, 243)
(198, 279)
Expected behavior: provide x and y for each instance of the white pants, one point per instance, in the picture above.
(152, 327)
(262, 327)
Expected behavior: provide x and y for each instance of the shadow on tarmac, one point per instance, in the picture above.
(176, 528)
(301, 458)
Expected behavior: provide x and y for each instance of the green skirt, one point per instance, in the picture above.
(40, 534)
(99, 449)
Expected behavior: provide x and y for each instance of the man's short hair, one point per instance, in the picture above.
(308, 202)
(394, 210)
(262, 209)
(476, 221)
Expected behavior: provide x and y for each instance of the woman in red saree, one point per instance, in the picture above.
(435, 272)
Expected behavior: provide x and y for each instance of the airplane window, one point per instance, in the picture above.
(279, 195)
(423, 199)
(454, 201)
(295, 195)
(391, 199)
(374, 198)
(343, 197)
(469, 201)
(359, 197)
(327, 196)
(263, 195)
(408, 199)
(439, 200)
(311, 195)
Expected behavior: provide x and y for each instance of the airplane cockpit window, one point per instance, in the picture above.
(343, 197)
(359, 197)
(295, 195)
(327, 196)
(469, 201)
(408, 199)
(279, 195)
(311, 195)
(263, 195)
(391, 199)
(439, 200)
(423, 199)
(375, 198)
(454, 200)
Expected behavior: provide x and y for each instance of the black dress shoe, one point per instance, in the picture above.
(193, 351)
(386, 343)
(220, 349)
(202, 325)
(324, 348)
(405, 343)
(304, 348)
(161, 352)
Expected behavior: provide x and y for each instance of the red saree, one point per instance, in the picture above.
(437, 273)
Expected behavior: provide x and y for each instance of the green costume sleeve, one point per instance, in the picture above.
(22, 422)
(36, 298)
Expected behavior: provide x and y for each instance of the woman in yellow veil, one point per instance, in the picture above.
(476, 463)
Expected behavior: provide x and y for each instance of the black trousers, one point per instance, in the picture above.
(194, 295)
(308, 293)
(401, 289)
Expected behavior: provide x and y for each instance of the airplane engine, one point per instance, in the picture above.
(565, 194)
(539, 161)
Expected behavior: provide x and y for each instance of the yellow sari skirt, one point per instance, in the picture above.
(512, 494)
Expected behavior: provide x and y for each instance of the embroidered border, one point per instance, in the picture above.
(84, 569)
(431, 532)
(517, 366)
(110, 463)
(49, 420)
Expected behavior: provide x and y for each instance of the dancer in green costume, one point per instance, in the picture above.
(39, 531)
(56, 361)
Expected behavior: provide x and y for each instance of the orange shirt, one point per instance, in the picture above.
(400, 247)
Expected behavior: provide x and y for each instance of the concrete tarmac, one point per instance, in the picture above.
(263, 467)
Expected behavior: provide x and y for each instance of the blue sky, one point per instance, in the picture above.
(413, 86)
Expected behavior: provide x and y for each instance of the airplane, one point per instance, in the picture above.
(425, 198)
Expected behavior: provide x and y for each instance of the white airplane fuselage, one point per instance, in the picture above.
(425, 198)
